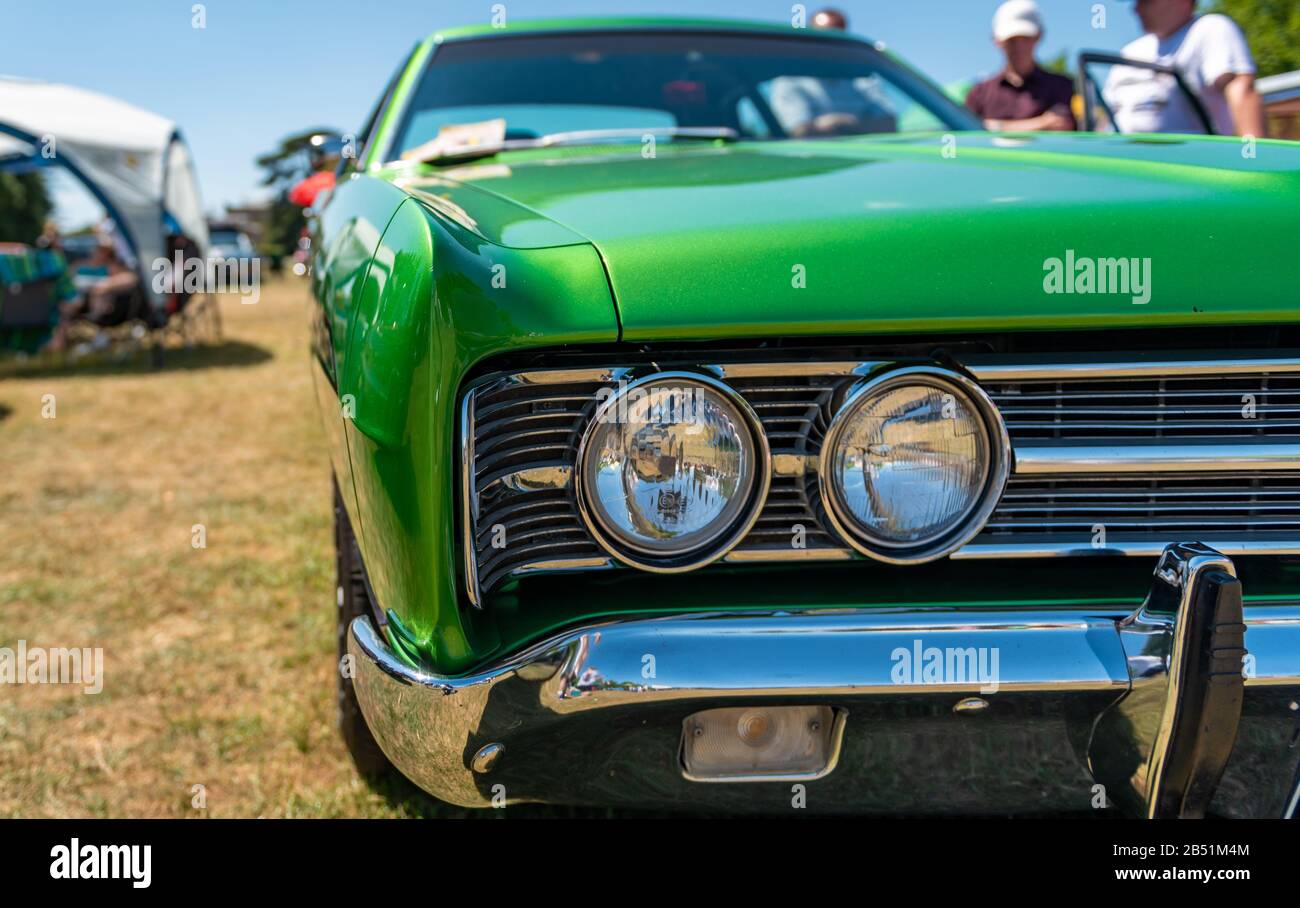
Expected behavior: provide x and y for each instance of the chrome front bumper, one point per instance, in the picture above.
(1025, 710)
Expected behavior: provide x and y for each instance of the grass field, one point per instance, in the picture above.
(218, 661)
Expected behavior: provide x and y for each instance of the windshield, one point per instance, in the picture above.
(763, 87)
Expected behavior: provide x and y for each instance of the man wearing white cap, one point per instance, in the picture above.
(1024, 97)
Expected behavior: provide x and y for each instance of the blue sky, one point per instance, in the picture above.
(261, 69)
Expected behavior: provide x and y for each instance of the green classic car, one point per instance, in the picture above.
(720, 420)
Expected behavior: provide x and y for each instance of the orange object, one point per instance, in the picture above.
(305, 192)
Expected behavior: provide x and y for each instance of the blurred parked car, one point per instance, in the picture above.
(228, 242)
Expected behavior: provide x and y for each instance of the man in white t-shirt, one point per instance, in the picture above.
(1209, 52)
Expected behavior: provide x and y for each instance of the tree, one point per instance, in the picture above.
(284, 167)
(1060, 64)
(24, 206)
(1273, 29)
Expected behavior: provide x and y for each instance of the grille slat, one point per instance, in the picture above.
(515, 528)
(1247, 503)
(995, 527)
(1128, 394)
(1153, 429)
(1148, 409)
(531, 438)
(525, 455)
(1163, 412)
(1165, 507)
(552, 419)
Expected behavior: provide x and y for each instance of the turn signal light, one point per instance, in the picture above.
(750, 744)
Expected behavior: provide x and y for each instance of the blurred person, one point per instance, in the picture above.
(111, 280)
(830, 18)
(1212, 56)
(50, 237)
(170, 280)
(808, 107)
(1023, 97)
(108, 233)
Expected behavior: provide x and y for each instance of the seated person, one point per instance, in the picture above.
(179, 248)
(806, 106)
(107, 282)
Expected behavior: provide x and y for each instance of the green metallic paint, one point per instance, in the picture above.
(699, 242)
(428, 311)
(347, 234)
(494, 219)
(894, 236)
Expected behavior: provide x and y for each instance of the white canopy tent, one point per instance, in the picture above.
(134, 162)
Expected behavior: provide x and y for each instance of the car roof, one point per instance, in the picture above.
(636, 23)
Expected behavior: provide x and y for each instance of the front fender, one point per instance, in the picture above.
(437, 299)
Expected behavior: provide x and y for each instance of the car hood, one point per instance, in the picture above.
(966, 231)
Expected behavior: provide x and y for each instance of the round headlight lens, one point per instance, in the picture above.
(669, 465)
(909, 462)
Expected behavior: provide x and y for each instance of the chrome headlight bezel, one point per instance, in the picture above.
(997, 443)
(726, 537)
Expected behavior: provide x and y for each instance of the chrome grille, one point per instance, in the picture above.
(525, 427)
(524, 430)
(1210, 407)
(791, 505)
(1264, 502)
(795, 411)
(528, 426)
(540, 527)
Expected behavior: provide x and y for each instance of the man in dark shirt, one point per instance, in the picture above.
(1024, 97)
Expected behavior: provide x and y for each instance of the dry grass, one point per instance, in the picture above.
(218, 661)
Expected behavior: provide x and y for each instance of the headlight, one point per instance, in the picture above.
(913, 464)
(671, 471)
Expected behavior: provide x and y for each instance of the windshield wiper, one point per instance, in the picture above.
(579, 137)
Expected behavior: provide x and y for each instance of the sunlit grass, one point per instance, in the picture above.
(218, 662)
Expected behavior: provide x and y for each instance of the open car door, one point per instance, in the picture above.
(1104, 78)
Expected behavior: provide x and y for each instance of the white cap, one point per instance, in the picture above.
(1017, 19)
